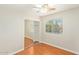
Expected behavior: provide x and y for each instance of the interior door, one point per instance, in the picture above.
(36, 28)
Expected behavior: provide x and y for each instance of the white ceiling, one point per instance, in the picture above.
(59, 8)
(27, 8)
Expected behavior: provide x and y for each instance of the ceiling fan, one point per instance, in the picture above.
(44, 8)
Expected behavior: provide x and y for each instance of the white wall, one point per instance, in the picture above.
(70, 37)
(28, 28)
(32, 15)
(12, 26)
(11, 31)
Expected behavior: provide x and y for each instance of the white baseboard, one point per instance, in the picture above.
(48, 44)
(60, 47)
(16, 52)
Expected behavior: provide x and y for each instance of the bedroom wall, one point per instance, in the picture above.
(12, 26)
(11, 31)
(69, 39)
(28, 28)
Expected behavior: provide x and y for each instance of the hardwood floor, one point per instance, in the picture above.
(27, 42)
(42, 49)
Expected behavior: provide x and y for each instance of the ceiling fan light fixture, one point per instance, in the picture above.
(45, 8)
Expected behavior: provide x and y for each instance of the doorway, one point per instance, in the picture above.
(32, 31)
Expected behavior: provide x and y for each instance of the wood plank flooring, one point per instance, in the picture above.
(42, 49)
